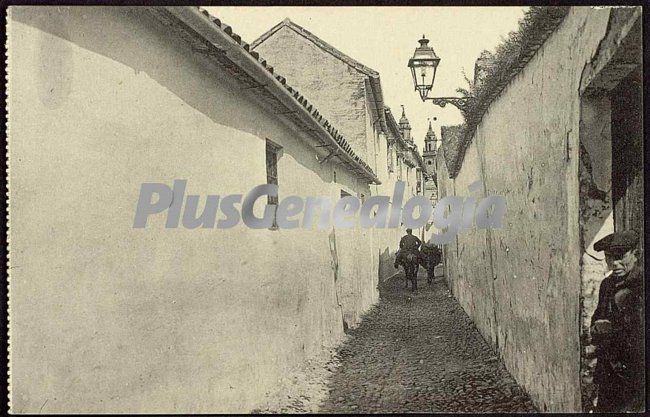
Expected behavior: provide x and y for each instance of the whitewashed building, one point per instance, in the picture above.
(103, 99)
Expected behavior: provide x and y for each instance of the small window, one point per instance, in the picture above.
(272, 151)
(429, 162)
(272, 156)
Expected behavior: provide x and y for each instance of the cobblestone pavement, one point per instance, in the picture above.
(419, 353)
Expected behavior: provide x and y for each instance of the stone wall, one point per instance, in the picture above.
(110, 319)
(521, 283)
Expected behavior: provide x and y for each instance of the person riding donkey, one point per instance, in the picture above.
(408, 256)
(431, 256)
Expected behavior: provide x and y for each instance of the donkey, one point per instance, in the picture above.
(410, 262)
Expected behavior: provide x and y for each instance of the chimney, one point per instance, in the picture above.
(483, 63)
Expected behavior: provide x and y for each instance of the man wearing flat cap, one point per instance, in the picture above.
(617, 326)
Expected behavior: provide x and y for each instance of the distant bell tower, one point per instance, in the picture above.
(405, 127)
(430, 150)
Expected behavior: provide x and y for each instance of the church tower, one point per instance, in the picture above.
(430, 151)
(405, 127)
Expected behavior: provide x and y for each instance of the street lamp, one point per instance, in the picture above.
(423, 69)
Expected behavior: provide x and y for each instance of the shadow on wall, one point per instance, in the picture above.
(386, 261)
(92, 28)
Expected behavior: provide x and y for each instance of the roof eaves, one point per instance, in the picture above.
(373, 76)
(394, 127)
(378, 98)
(250, 62)
(419, 158)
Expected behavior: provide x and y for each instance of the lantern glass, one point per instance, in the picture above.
(423, 67)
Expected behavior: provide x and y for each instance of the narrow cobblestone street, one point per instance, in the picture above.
(420, 353)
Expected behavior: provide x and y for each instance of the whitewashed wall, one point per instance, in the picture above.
(107, 318)
(521, 284)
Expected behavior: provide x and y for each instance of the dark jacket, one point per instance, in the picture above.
(620, 354)
(409, 243)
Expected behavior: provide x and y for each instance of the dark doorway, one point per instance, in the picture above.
(610, 167)
(627, 153)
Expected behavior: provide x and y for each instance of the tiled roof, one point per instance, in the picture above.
(393, 126)
(377, 102)
(354, 162)
(419, 158)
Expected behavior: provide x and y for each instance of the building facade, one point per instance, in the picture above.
(349, 94)
(430, 165)
(104, 99)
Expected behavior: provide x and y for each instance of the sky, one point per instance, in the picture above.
(384, 38)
